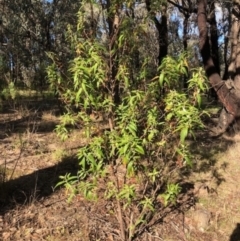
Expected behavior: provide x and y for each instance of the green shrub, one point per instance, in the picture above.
(136, 159)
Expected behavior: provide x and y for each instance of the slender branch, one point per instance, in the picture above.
(184, 10)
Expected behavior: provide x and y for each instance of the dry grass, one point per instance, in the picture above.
(219, 195)
(37, 212)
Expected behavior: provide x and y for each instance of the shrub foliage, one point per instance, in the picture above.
(132, 157)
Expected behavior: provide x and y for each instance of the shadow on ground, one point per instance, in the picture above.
(35, 186)
(28, 115)
(235, 236)
(40, 184)
(206, 150)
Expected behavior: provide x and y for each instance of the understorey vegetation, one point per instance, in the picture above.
(137, 123)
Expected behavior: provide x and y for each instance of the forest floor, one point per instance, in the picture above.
(32, 158)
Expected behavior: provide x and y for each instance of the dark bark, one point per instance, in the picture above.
(228, 95)
(234, 39)
(236, 16)
(185, 32)
(214, 37)
(226, 29)
(183, 8)
(163, 35)
(214, 43)
(185, 39)
(162, 28)
(225, 59)
(113, 25)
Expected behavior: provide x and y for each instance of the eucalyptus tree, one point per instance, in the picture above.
(227, 91)
(29, 29)
(20, 32)
(209, 28)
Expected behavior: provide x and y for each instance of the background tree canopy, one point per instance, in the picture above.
(30, 29)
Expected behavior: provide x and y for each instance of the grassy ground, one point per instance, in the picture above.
(32, 157)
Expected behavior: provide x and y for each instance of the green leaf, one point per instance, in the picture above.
(130, 168)
(125, 148)
(199, 100)
(150, 136)
(169, 116)
(140, 149)
(183, 134)
(161, 79)
(188, 161)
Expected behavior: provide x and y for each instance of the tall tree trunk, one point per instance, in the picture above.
(227, 93)
(163, 35)
(225, 58)
(234, 39)
(214, 43)
(226, 29)
(113, 24)
(185, 31)
(162, 28)
(185, 40)
(236, 43)
(214, 37)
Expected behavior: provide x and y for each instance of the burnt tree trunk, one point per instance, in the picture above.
(234, 67)
(214, 37)
(162, 28)
(214, 43)
(226, 29)
(113, 20)
(227, 93)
